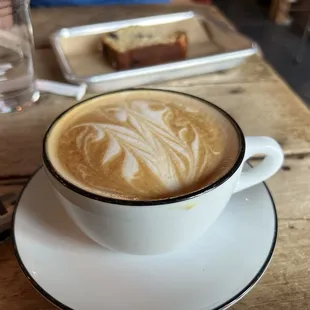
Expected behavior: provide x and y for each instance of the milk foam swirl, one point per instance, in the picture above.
(141, 143)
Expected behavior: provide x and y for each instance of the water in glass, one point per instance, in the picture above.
(17, 78)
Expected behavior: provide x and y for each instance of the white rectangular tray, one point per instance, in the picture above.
(81, 61)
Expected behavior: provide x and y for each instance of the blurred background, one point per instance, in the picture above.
(281, 28)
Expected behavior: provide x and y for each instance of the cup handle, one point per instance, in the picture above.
(269, 166)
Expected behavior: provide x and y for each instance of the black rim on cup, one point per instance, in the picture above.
(78, 190)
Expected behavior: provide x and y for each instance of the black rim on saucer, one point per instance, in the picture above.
(223, 306)
(94, 196)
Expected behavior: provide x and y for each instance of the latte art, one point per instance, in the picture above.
(141, 148)
(145, 137)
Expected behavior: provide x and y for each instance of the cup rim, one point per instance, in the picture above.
(49, 166)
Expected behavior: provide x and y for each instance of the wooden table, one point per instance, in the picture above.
(253, 94)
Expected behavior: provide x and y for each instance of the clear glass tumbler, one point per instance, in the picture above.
(17, 76)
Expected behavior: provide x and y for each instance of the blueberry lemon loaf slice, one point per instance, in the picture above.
(138, 46)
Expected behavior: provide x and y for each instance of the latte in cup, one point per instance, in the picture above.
(143, 145)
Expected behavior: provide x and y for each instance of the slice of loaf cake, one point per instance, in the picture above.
(138, 46)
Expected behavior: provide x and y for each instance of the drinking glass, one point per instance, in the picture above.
(17, 77)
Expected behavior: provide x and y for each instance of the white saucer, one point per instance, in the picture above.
(73, 272)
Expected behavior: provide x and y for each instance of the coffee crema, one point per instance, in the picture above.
(142, 145)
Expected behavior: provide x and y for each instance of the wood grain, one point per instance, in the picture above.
(293, 203)
(286, 283)
(21, 135)
(253, 93)
(16, 292)
(260, 109)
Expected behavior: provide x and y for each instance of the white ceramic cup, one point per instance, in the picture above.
(159, 226)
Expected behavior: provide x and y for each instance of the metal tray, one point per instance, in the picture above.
(213, 46)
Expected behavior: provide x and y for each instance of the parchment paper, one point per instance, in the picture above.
(205, 38)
